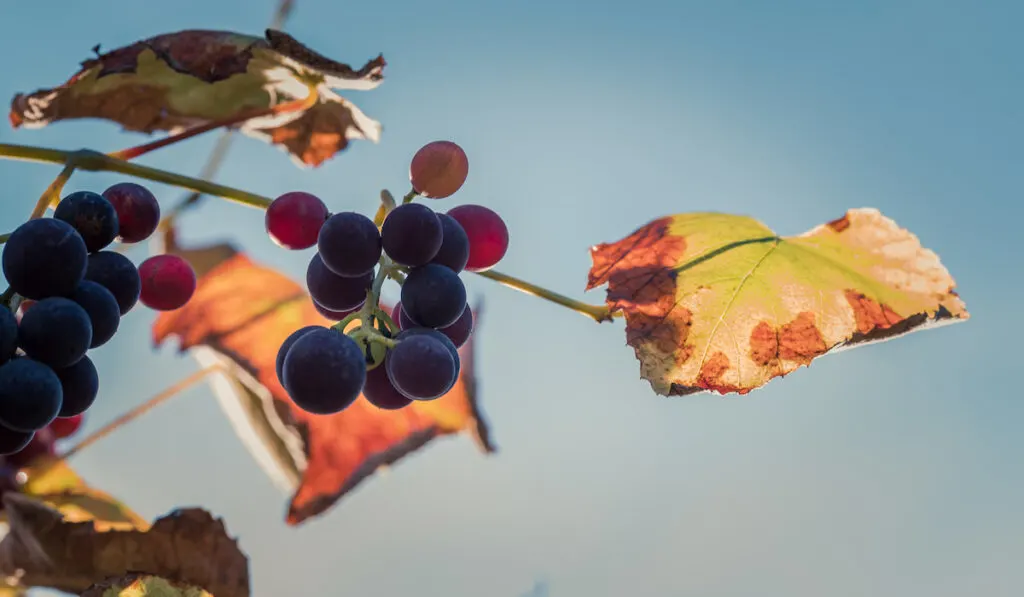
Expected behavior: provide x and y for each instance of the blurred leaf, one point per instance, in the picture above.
(179, 80)
(144, 585)
(243, 312)
(186, 546)
(719, 302)
(53, 482)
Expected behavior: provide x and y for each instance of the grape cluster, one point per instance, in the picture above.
(412, 353)
(71, 292)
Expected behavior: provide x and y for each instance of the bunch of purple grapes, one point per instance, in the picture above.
(411, 355)
(71, 293)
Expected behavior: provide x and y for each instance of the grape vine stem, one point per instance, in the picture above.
(140, 410)
(89, 160)
(95, 161)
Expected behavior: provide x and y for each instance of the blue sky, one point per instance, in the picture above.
(894, 469)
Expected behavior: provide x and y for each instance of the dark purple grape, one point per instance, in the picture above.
(460, 331)
(287, 344)
(30, 395)
(92, 216)
(421, 366)
(333, 315)
(337, 293)
(12, 442)
(404, 321)
(8, 334)
(41, 446)
(118, 274)
(454, 251)
(437, 335)
(55, 331)
(324, 371)
(380, 392)
(138, 212)
(349, 244)
(43, 258)
(102, 308)
(411, 234)
(80, 383)
(433, 295)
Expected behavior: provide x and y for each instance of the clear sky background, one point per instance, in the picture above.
(889, 470)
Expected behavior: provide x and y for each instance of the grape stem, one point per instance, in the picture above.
(94, 161)
(52, 193)
(299, 105)
(410, 196)
(140, 410)
(599, 313)
(4, 237)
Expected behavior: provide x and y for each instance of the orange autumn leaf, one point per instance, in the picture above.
(243, 312)
(719, 302)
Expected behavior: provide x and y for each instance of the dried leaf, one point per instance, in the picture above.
(719, 302)
(179, 80)
(186, 546)
(143, 585)
(242, 312)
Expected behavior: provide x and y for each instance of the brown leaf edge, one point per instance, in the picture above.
(288, 46)
(187, 546)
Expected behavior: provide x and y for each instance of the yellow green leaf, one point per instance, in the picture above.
(53, 482)
(720, 302)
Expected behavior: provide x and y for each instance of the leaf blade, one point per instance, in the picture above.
(715, 302)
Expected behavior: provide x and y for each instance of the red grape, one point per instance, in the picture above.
(488, 235)
(168, 282)
(138, 211)
(438, 169)
(64, 427)
(294, 220)
(25, 306)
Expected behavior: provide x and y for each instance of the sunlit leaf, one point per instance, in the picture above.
(719, 302)
(242, 312)
(53, 482)
(188, 546)
(179, 80)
